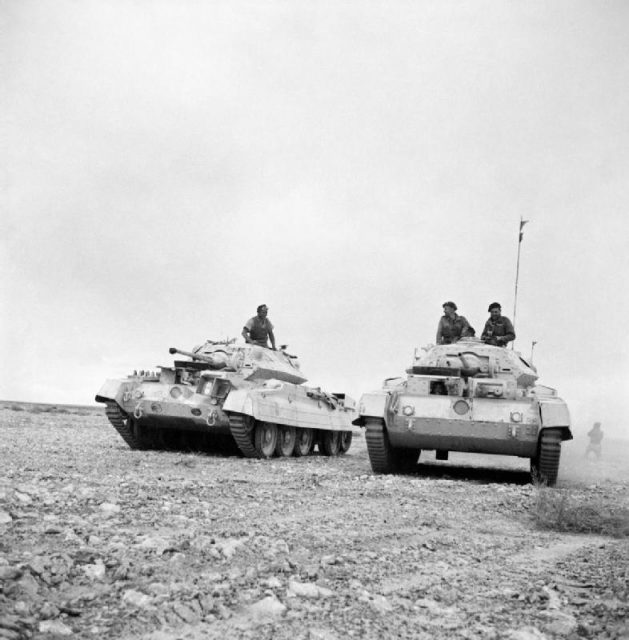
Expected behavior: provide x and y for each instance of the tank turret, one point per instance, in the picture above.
(475, 369)
(250, 361)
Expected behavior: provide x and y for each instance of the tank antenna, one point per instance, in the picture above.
(517, 271)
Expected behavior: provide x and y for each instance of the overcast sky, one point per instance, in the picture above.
(168, 166)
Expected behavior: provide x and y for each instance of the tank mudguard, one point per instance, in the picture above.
(554, 413)
(239, 401)
(290, 405)
(109, 391)
(372, 405)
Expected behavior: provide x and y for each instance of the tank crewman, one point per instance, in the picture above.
(498, 328)
(452, 327)
(595, 434)
(259, 329)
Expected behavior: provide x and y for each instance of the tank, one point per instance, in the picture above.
(227, 394)
(470, 397)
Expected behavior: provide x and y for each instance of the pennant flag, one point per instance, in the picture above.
(522, 223)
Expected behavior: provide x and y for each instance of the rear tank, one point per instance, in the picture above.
(234, 394)
(470, 397)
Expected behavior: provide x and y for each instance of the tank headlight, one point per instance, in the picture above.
(175, 392)
(138, 394)
(461, 407)
(156, 408)
(516, 416)
(408, 410)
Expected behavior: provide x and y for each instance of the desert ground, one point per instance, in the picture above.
(99, 541)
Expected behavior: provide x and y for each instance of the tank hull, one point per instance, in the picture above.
(161, 414)
(486, 427)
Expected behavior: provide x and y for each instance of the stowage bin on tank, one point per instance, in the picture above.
(467, 396)
(235, 392)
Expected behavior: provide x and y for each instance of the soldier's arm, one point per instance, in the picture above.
(466, 328)
(438, 338)
(510, 331)
(272, 338)
(245, 334)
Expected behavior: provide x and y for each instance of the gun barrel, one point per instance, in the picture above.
(195, 356)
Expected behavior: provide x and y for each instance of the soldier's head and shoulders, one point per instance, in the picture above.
(498, 328)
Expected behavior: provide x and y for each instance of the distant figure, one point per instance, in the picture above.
(498, 328)
(259, 329)
(595, 434)
(452, 327)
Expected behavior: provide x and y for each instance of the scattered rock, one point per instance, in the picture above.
(95, 571)
(267, 609)
(9, 573)
(525, 633)
(380, 604)
(230, 546)
(273, 582)
(155, 543)
(55, 627)
(560, 623)
(109, 509)
(307, 590)
(136, 598)
(185, 612)
(48, 611)
(28, 585)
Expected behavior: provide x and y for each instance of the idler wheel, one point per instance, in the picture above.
(346, 441)
(265, 439)
(286, 439)
(304, 442)
(330, 443)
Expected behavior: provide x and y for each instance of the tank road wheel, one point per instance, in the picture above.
(286, 438)
(545, 465)
(128, 427)
(346, 441)
(304, 443)
(330, 443)
(265, 439)
(241, 428)
(381, 453)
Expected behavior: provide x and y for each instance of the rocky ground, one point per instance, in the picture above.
(98, 541)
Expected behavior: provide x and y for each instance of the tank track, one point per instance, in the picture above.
(242, 434)
(545, 467)
(120, 422)
(378, 446)
(383, 457)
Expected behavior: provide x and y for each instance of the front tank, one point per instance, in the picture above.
(468, 397)
(231, 395)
